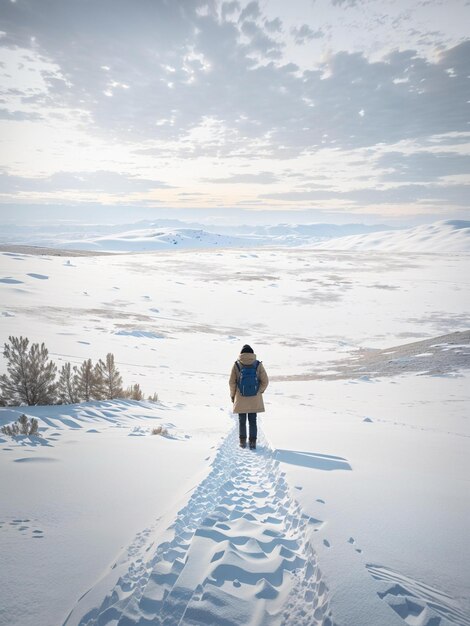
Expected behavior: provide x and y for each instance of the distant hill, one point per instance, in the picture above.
(153, 236)
(165, 234)
(159, 239)
(442, 236)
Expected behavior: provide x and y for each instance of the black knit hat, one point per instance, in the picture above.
(246, 348)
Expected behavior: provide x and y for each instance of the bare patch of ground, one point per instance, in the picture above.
(443, 321)
(437, 356)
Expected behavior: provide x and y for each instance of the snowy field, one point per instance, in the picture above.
(354, 510)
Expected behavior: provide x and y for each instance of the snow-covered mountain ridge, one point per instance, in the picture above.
(164, 234)
(441, 236)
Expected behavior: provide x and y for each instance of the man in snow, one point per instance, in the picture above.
(248, 381)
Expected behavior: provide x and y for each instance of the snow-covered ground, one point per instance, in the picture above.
(94, 481)
(353, 511)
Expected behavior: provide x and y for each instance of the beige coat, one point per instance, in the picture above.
(248, 404)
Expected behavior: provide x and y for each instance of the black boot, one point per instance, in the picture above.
(252, 443)
(242, 442)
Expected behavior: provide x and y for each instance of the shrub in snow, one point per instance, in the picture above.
(153, 398)
(22, 427)
(160, 430)
(31, 375)
(134, 392)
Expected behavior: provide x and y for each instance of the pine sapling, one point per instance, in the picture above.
(22, 427)
(110, 377)
(84, 380)
(66, 387)
(30, 377)
(34, 426)
(99, 391)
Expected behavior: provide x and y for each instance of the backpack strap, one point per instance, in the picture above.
(238, 365)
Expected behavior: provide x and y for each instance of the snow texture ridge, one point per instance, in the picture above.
(239, 554)
(415, 602)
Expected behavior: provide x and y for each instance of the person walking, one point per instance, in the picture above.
(248, 382)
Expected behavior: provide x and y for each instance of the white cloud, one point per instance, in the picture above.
(213, 83)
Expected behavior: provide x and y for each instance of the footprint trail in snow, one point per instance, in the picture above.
(239, 554)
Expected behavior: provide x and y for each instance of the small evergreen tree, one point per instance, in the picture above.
(31, 375)
(85, 381)
(99, 385)
(67, 386)
(110, 378)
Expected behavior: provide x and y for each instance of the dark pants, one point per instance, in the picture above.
(252, 423)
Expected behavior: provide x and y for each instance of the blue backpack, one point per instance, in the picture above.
(248, 383)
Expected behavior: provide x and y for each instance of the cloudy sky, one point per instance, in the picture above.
(345, 110)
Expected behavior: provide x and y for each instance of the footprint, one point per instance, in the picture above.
(243, 519)
(320, 501)
(352, 541)
(217, 556)
(10, 281)
(326, 543)
(413, 600)
(38, 276)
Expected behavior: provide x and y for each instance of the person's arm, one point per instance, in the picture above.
(233, 382)
(263, 378)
